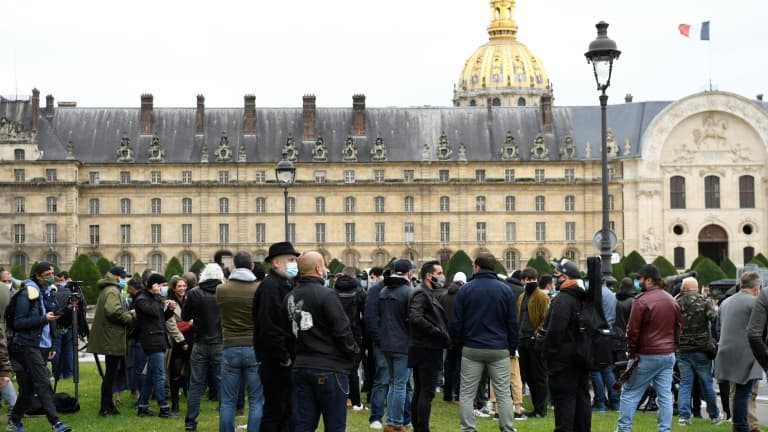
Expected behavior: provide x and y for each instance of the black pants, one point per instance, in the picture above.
(534, 372)
(29, 364)
(108, 381)
(354, 384)
(425, 377)
(276, 380)
(569, 388)
(452, 367)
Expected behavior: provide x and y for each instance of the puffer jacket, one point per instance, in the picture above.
(30, 316)
(151, 315)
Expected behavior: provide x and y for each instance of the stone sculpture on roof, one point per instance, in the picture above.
(462, 152)
(350, 150)
(156, 152)
(444, 150)
(320, 151)
(241, 156)
(125, 152)
(610, 144)
(11, 130)
(223, 151)
(379, 150)
(70, 150)
(568, 149)
(509, 150)
(425, 152)
(290, 149)
(588, 150)
(539, 151)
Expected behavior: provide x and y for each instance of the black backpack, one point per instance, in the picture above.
(594, 338)
(10, 316)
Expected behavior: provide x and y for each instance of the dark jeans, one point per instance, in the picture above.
(570, 395)
(276, 381)
(452, 367)
(204, 359)
(63, 361)
(29, 364)
(425, 377)
(317, 392)
(112, 364)
(534, 373)
(741, 406)
(354, 385)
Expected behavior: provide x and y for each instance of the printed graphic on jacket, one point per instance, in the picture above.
(300, 319)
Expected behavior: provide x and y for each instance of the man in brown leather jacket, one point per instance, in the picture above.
(651, 333)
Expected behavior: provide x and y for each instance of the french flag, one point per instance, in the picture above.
(703, 30)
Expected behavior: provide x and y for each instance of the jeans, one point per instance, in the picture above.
(239, 365)
(603, 380)
(203, 358)
(139, 360)
(29, 364)
(399, 375)
(8, 393)
(451, 369)
(534, 373)
(380, 386)
(473, 361)
(425, 381)
(741, 406)
(63, 361)
(317, 392)
(653, 369)
(154, 380)
(569, 388)
(276, 380)
(695, 366)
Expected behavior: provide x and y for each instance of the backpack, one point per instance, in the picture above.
(10, 316)
(594, 339)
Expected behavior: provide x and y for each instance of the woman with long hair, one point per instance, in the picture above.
(180, 339)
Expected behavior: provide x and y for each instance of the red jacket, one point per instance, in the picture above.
(653, 323)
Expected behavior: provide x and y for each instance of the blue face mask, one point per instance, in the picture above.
(637, 284)
(291, 270)
(164, 290)
(122, 283)
(364, 283)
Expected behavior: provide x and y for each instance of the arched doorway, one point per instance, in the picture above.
(713, 243)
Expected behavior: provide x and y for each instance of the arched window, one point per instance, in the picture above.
(125, 206)
(540, 206)
(445, 204)
(480, 203)
(126, 261)
(350, 259)
(52, 205)
(746, 191)
(510, 260)
(496, 102)
(472, 102)
(187, 259)
(291, 204)
(186, 205)
(52, 258)
(20, 259)
(521, 101)
(156, 262)
(677, 192)
(712, 192)
(18, 154)
(408, 204)
(571, 254)
(570, 203)
(261, 205)
(349, 204)
(223, 205)
(378, 204)
(509, 203)
(157, 205)
(320, 205)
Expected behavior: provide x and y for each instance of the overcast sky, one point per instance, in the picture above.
(397, 52)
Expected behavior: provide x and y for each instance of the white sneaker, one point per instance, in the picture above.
(684, 422)
(720, 419)
(479, 413)
(376, 425)
(358, 407)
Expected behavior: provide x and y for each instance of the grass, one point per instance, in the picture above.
(444, 416)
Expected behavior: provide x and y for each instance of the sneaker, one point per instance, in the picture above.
(61, 427)
(480, 413)
(109, 412)
(190, 427)
(15, 427)
(166, 412)
(358, 407)
(684, 422)
(520, 416)
(718, 420)
(145, 412)
(376, 425)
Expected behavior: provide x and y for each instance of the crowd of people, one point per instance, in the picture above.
(299, 343)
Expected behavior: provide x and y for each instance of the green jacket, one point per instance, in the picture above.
(110, 321)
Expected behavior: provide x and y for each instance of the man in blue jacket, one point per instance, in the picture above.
(484, 322)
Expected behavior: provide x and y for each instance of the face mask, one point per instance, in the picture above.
(122, 283)
(530, 286)
(438, 281)
(49, 281)
(637, 284)
(164, 290)
(364, 283)
(327, 283)
(291, 270)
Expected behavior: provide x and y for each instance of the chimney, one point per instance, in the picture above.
(146, 113)
(49, 110)
(309, 116)
(35, 108)
(249, 122)
(760, 97)
(358, 115)
(546, 112)
(200, 115)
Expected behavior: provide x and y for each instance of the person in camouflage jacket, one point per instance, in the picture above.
(693, 351)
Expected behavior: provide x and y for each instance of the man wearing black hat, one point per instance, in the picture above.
(271, 336)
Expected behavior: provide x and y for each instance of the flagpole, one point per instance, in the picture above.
(709, 54)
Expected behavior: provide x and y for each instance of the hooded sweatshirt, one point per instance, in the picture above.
(235, 301)
(201, 307)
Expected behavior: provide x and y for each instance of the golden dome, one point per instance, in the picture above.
(503, 69)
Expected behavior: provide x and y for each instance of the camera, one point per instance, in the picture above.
(75, 290)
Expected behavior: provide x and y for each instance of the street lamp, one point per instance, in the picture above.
(285, 173)
(602, 53)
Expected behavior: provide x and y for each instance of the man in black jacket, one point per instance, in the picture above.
(271, 337)
(325, 349)
(428, 336)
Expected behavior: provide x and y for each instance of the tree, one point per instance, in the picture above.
(174, 267)
(104, 265)
(708, 271)
(197, 267)
(633, 262)
(728, 267)
(19, 272)
(756, 261)
(459, 262)
(665, 267)
(85, 270)
(541, 265)
(696, 261)
(499, 268)
(618, 272)
(335, 266)
(762, 259)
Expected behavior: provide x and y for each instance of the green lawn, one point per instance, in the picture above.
(444, 416)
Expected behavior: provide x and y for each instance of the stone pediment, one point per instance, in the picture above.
(13, 131)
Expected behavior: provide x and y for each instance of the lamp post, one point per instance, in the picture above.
(285, 173)
(602, 53)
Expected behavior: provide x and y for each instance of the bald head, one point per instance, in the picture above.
(690, 284)
(311, 263)
(5, 276)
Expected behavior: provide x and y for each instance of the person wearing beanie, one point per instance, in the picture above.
(453, 353)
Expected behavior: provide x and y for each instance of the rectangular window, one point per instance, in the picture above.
(320, 233)
(378, 176)
(319, 205)
(538, 175)
(186, 177)
(509, 175)
(480, 232)
(223, 233)
(19, 204)
(509, 203)
(155, 177)
(378, 204)
(480, 175)
(157, 234)
(319, 176)
(379, 230)
(511, 232)
(570, 203)
(125, 177)
(125, 206)
(541, 231)
(570, 231)
(260, 177)
(349, 176)
(186, 233)
(50, 175)
(612, 225)
(408, 175)
(51, 233)
(712, 192)
(125, 234)
(611, 203)
(445, 232)
(611, 173)
(18, 175)
(186, 205)
(261, 233)
(408, 204)
(93, 177)
(93, 235)
(570, 175)
(679, 257)
(444, 176)
(349, 232)
(223, 177)
(746, 192)
(292, 233)
(93, 206)
(409, 232)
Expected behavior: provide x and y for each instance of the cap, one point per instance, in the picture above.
(402, 266)
(568, 268)
(118, 271)
(460, 277)
(155, 278)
